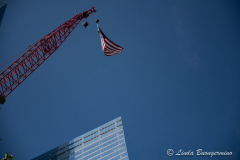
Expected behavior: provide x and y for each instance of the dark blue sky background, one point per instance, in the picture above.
(176, 84)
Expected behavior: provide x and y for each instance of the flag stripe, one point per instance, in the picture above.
(109, 41)
(112, 45)
(111, 48)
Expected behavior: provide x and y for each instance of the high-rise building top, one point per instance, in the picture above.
(2, 3)
(106, 142)
(3, 6)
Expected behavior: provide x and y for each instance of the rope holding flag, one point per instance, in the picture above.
(109, 48)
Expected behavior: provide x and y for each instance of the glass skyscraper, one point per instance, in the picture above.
(106, 142)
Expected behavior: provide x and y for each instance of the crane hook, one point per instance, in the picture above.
(85, 24)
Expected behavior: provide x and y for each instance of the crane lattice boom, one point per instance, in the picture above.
(19, 70)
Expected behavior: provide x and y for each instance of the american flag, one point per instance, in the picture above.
(109, 48)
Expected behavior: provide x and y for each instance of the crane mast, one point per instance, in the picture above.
(25, 65)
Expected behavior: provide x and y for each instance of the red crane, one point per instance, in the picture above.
(25, 65)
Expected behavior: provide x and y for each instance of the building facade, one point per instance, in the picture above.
(106, 142)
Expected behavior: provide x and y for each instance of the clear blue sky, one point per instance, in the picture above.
(176, 84)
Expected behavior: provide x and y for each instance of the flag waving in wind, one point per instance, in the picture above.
(109, 48)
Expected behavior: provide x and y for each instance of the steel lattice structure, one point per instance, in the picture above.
(25, 65)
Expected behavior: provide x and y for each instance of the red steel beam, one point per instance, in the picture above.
(19, 70)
